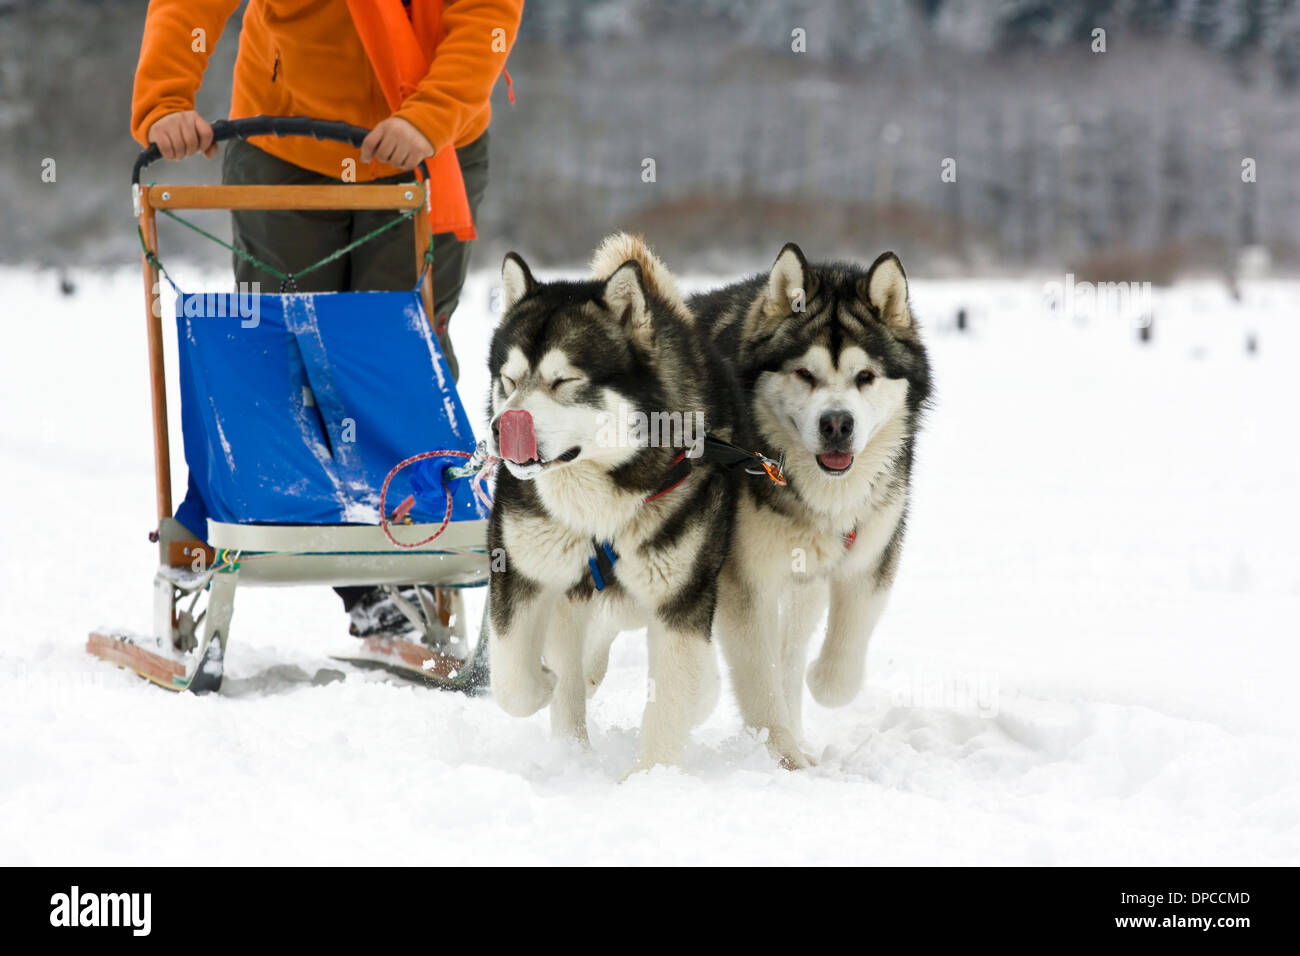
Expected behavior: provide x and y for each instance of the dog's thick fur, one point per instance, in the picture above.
(572, 354)
(834, 371)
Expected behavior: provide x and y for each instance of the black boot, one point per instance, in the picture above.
(376, 614)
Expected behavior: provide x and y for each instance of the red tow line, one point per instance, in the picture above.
(405, 507)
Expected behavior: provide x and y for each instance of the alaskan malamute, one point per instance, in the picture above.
(600, 390)
(836, 378)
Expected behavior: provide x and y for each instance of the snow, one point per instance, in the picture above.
(1090, 655)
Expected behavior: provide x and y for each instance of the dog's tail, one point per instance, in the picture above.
(619, 248)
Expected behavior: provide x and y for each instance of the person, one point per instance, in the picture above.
(418, 74)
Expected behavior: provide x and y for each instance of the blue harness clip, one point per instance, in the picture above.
(602, 563)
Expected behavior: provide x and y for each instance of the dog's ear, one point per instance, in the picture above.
(787, 284)
(885, 291)
(625, 298)
(516, 281)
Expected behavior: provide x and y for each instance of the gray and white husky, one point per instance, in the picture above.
(836, 378)
(600, 388)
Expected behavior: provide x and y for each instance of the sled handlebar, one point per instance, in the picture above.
(223, 130)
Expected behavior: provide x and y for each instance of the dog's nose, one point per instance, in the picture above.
(836, 425)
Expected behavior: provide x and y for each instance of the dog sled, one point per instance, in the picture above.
(325, 441)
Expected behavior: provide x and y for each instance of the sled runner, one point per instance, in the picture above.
(295, 410)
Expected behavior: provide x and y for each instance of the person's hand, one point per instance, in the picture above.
(396, 142)
(183, 134)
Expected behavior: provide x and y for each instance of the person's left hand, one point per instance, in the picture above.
(396, 142)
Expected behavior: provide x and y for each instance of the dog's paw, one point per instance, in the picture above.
(639, 767)
(657, 751)
(568, 727)
(523, 691)
(575, 737)
(785, 748)
(833, 685)
(797, 761)
(645, 764)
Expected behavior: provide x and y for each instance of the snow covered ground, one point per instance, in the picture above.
(1091, 655)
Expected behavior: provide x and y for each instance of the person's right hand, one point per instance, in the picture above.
(182, 134)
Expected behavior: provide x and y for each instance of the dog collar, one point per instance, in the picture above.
(678, 471)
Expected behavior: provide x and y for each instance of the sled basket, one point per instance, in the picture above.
(295, 407)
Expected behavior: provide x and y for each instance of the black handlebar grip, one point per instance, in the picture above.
(223, 130)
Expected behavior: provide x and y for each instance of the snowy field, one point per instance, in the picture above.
(1091, 655)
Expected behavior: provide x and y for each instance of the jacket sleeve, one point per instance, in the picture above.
(173, 57)
(477, 37)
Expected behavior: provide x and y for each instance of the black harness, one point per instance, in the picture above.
(713, 451)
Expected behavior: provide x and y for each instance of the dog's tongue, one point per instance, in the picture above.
(835, 460)
(516, 437)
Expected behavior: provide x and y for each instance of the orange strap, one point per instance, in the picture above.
(400, 49)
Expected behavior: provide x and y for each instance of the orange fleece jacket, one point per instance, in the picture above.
(304, 58)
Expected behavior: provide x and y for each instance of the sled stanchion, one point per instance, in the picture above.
(423, 268)
(157, 370)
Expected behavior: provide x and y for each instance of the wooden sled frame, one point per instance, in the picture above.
(179, 654)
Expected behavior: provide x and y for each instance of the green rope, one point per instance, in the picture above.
(149, 257)
(288, 277)
(409, 214)
(242, 253)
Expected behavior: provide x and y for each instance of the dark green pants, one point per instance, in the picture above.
(293, 240)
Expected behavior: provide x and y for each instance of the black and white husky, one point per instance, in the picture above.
(835, 377)
(601, 388)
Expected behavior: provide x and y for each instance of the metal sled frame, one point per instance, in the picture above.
(179, 655)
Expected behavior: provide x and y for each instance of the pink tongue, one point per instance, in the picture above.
(837, 460)
(516, 437)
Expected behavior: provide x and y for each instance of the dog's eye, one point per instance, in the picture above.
(865, 378)
(561, 381)
(805, 376)
(507, 385)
